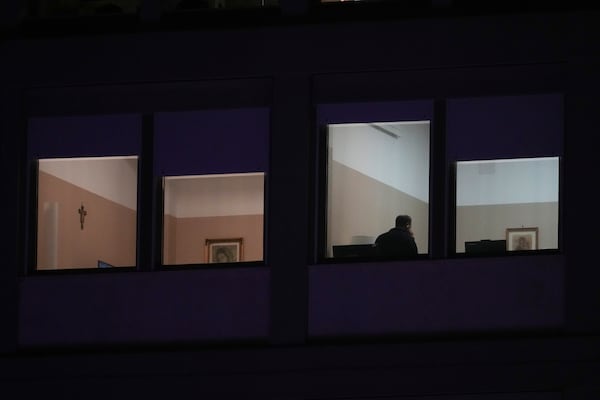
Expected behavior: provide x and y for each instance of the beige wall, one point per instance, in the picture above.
(360, 205)
(184, 238)
(490, 222)
(169, 239)
(109, 232)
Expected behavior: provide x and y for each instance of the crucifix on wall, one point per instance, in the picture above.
(82, 214)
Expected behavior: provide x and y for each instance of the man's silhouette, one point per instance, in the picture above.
(398, 242)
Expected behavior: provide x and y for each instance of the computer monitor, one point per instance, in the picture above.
(353, 250)
(486, 247)
(103, 264)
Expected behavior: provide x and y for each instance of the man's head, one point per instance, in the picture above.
(403, 221)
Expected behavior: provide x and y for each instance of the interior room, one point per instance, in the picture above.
(87, 212)
(377, 171)
(493, 196)
(200, 211)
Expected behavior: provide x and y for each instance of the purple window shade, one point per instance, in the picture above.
(212, 141)
(505, 127)
(420, 110)
(79, 136)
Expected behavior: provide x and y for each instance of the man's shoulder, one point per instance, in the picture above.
(396, 234)
(384, 235)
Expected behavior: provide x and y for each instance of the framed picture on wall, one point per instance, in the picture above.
(224, 250)
(520, 239)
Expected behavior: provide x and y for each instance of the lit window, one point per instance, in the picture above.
(376, 172)
(507, 205)
(213, 218)
(87, 212)
(214, 165)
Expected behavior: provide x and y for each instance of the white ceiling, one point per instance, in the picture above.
(399, 159)
(511, 181)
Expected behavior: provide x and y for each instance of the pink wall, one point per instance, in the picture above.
(109, 232)
(185, 237)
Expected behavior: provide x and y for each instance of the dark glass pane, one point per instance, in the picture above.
(175, 5)
(75, 8)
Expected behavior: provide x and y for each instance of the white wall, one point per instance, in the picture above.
(491, 221)
(114, 178)
(517, 181)
(498, 194)
(401, 163)
(359, 205)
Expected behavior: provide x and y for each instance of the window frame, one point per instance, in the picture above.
(205, 265)
(425, 107)
(503, 103)
(35, 221)
(452, 253)
(162, 169)
(149, 219)
(141, 101)
(34, 153)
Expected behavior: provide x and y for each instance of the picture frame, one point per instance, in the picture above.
(228, 250)
(521, 239)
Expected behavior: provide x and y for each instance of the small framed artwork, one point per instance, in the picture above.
(224, 250)
(519, 239)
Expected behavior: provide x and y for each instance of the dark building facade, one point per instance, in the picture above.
(504, 81)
